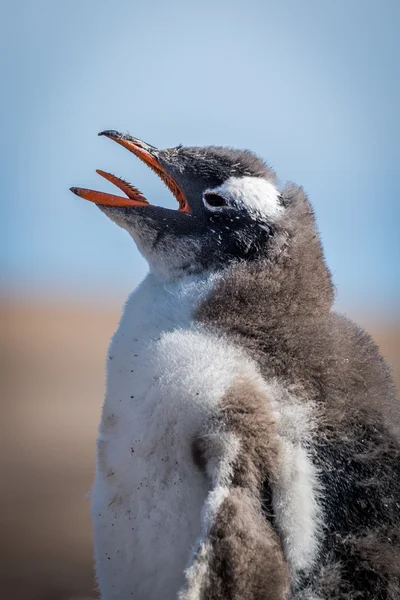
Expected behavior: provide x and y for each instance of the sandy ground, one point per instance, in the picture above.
(52, 374)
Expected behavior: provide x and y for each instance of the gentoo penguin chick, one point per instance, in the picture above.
(249, 441)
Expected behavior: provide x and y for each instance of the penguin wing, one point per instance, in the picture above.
(239, 554)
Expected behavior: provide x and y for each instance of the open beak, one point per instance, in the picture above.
(146, 153)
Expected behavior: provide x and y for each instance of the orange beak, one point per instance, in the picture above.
(147, 154)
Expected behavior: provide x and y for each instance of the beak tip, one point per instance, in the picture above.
(110, 133)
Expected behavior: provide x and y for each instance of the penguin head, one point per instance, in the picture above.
(228, 210)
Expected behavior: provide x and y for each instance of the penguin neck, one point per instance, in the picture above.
(273, 295)
(168, 301)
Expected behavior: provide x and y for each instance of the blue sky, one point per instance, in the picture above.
(312, 86)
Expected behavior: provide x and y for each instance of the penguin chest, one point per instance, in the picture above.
(148, 492)
(162, 388)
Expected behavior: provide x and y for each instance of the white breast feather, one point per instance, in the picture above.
(164, 379)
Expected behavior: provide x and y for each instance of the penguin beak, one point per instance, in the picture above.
(148, 154)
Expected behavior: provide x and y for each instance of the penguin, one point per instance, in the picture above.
(249, 442)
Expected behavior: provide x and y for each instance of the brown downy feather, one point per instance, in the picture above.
(280, 310)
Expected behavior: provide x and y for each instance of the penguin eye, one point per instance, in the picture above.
(214, 200)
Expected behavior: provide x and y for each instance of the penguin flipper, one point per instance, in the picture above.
(239, 554)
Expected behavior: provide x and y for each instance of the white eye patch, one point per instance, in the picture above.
(257, 195)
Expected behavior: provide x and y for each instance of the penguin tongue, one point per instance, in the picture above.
(135, 196)
(148, 154)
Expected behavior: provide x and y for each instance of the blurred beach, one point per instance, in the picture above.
(52, 369)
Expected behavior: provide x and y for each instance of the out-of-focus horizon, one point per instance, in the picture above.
(311, 87)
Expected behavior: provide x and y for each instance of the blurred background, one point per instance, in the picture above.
(311, 86)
